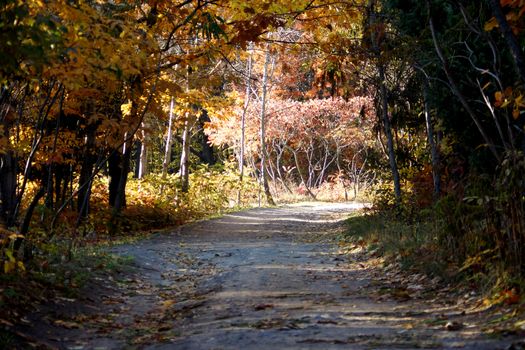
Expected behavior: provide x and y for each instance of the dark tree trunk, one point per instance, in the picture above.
(114, 172)
(120, 198)
(388, 132)
(51, 169)
(86, 172)
(137, 159)
(436, 175)
(206, 154)
(8, 189)
(24, 228)
(383, 95)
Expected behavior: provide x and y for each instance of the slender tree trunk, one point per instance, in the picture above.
(185, 155)
(114, 170)
(52, 167)
(141, 156)
(264, 172)
(278, 167)
(388, 134)
(143, 160)
(86, 171)
(436, 176)
(186, 142)
(24, 227)
(243, 122)
(301, 176)
(51, 170)
(169, 138)
(340, 171)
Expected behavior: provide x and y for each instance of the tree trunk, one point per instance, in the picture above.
(384, 104)
(8, 188)
(114, 171)
(169, 138)
(264, 172)
(436, 177)
(143, 168)
(49, 202)
(24, 227)
(120, 198)
(86, 171)
(206, 155)
(8, 163)
(388, 134)
(301, 176)
(185, 155)
(243, 122)
(278, 167)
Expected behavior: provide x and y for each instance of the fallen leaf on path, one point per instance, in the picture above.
(168, 303)
(400, 294)
(66, 324)
(165, 327)
(262, 307)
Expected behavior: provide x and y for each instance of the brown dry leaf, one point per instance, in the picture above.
(165, 327)
(400, 294)
(262, 307)
(67, 324)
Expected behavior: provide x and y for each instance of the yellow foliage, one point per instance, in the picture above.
(126, 108)
(7, 253)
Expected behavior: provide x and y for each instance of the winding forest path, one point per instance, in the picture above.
(258, 279)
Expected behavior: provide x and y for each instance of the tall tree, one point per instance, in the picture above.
(247, 94)
(264, 155)
(376, 36)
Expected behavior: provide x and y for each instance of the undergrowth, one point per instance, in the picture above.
(473, 234)
(412, 244)
(57, 271)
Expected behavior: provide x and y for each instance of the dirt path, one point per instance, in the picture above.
(259, 279)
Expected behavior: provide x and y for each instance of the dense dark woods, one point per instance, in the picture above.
(127, 116)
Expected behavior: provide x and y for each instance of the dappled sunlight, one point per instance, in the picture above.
(297, 267)
(275, 220)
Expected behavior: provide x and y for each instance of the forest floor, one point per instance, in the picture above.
(268, 278)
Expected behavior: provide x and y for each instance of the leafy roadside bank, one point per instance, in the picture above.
(51, 278)
(414, 265)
